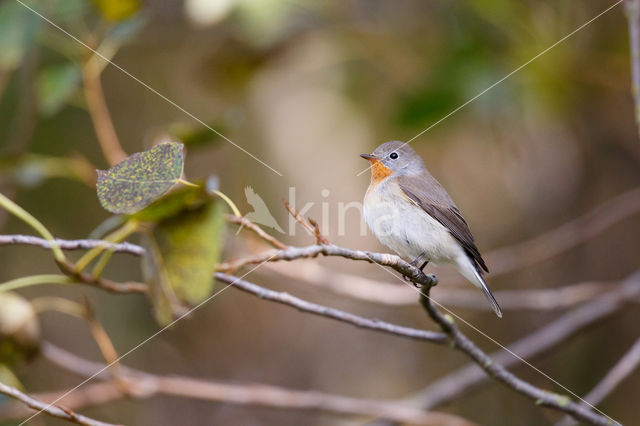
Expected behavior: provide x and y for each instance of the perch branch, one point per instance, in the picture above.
(359, 287)
(54, 410)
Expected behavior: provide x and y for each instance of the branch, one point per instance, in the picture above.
(304, 306)
(541, 397)
(70, 244)
(147, 385)
(246, 223)
(469, 377)
(633, 16)
(99, 112)
(623, 368)
(54, 410)
(293, 253)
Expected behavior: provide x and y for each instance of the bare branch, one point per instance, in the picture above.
(246, 223)
(623, 368)
(247, 394)
(54, 410)
(497, 371)
(293, 253)
(469, 377)
(99, 112)
(310, 225)
(303, 305)
(71, 244)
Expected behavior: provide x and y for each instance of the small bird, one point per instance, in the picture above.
(411, 213)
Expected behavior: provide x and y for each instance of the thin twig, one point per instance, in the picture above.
(99, 112)
(541, 397)
(310, 225)
(304, 306)
(471, 376)
(53, 410)
(251, 394)
(70, 244)
(623, 369)
(246, 223)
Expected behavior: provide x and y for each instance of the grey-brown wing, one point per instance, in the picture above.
(440, 206)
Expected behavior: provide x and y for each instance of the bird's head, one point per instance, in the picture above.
(393, 158)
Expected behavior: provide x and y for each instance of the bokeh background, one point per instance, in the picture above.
(306, 87)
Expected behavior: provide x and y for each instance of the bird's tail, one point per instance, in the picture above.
(487, 293)
(469, 270)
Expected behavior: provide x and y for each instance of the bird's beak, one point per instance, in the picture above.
(369, 157)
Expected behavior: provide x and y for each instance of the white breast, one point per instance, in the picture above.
(405, 228)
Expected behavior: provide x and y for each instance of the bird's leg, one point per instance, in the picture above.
(415, 262)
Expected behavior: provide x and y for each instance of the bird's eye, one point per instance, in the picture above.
(393, 155)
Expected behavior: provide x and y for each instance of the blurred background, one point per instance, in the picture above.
(306, 87)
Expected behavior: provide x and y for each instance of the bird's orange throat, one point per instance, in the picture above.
(379, 172)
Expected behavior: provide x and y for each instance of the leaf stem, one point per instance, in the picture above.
(59, 304)
(230, 203)
(187, 183)
(27, 218)
(116, 236)
(35, 280)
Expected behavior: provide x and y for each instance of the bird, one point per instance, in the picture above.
(410, 212)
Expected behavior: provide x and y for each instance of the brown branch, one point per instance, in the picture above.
(99, 112)
(293, 253)
(71, 244)
(304, 306)
(246, 223)
(623, 368)
(471, 376)
(353, 285)
(149, 385)
(541, 397)
(53, 410)
(633, 17)
(310, 225)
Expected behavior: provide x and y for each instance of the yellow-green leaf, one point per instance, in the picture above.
(142, 178)
(117, 10)
(182, 252)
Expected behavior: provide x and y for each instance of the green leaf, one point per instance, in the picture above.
(55, 85)
(172, 204)
(117, 10)
(18, 28)
(182, 252)
(136, 182)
